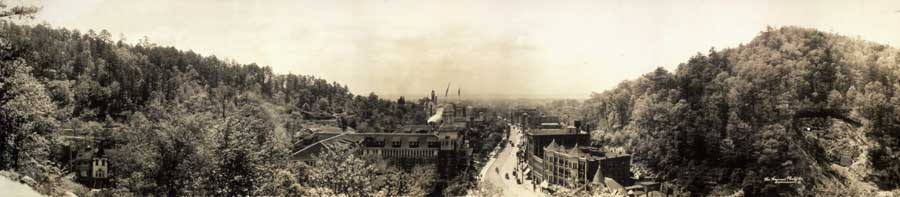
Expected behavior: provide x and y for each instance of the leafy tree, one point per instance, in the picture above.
(247, 149)
(341, 172)
(26, 116)
(171, 122)
(741, 114)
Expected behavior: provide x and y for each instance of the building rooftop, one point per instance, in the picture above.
(553, 125)
(330, 143)
(634, 187)
(582, 151)
(554, 132)
(575, 151)
(351, 140)
(550, 119)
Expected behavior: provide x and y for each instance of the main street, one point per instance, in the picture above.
(506, 162)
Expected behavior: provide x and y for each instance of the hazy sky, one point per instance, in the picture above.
(531, 48)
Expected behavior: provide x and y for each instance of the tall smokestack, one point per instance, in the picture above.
(447, 91)
(433, 97)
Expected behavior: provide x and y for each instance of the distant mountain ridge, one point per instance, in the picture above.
(492, 96)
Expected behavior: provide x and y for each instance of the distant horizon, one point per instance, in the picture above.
(482, 96)
(449, 98)
(529, 49)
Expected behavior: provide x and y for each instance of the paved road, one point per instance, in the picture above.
(506, 162)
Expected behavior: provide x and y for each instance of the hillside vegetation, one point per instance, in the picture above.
(792, 102)
(171, 122)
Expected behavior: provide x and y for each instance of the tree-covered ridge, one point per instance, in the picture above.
(171, 122)
(96, 78)
(791, 102)
(112, 77)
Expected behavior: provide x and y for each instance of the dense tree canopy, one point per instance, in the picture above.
(171, 122)
(781, 105)
(337, 172)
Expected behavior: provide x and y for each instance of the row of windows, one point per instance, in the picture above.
(99, 174)
(557, 161)
(401, 153)
(99, 162)
(412, 144)
(564, 172)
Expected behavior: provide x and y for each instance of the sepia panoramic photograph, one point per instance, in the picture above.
(530, 98)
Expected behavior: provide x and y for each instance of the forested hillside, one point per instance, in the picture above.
(172, 122)
(99, 78)
(792, 102)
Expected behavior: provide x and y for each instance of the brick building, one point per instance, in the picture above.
(538, 139)
(442, 143)
(562, 156)
(584, 167)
